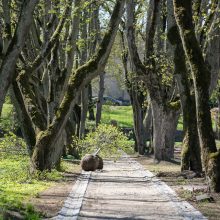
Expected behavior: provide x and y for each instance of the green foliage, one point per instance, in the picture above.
(108, 138)
(12, 144)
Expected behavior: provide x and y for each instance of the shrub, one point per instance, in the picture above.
(108, 138)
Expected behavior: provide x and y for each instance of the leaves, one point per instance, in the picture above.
(108, 138)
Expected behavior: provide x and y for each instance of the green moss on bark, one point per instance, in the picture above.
(213, 173)
(174, 105)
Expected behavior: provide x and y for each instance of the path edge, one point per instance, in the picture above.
(185, 209)
(73, 203)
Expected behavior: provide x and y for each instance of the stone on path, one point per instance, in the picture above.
(124, 190)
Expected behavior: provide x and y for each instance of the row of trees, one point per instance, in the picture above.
(51, 51)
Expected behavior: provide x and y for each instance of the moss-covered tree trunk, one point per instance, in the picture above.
(201, 78)
(191, 156)
(7, 68)
(44, 151)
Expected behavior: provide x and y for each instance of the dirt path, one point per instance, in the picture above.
(124, 190)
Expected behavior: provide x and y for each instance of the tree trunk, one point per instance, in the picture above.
(91, 109)
(138, 121)
(84, 110)
(45, 146)
(7, 69)
(152, 80)
(164, 124)
(218, 120)
(191, 156)
(201, 78)
(147, 122)
(100, 98)
(24, 120)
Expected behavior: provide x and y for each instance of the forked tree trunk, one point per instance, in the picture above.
(201, 78)
(191, 156)
(152, 80)
(45, 152)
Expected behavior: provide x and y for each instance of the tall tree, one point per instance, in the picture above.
(165, 114)
(201, 79)
(44, 156)
(190, 157)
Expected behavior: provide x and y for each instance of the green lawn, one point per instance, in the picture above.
(122, 114)
(17, 185)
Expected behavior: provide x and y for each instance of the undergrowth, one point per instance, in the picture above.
(17, 185)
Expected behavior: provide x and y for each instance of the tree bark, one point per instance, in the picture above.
(91, 109)
(24, 120)
(138, 114)
(201, 78)
(44, 148)
(164, 124)
(148, 73)
(84, 110)
(191, 156)
(147, 122)
(83, 59)
(7, 70)
(100, 98)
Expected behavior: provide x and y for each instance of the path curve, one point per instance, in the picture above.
(124, 190)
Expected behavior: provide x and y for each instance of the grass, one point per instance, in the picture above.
(17, 185)
(122, 114)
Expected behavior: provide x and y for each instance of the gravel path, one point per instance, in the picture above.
(124, 190)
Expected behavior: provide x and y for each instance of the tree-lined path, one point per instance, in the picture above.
(124, 190)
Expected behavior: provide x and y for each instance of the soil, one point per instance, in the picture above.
(50, 201)
(185, 185)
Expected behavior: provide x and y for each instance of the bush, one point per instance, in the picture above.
(108, 138)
